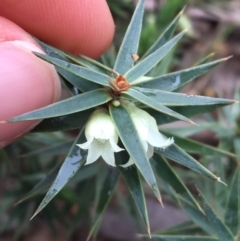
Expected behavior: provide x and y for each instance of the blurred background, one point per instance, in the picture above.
(213, 31)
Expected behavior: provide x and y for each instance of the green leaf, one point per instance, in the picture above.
(81, 83)
(196, 147)
(133, 181)
(178, 99)
(51, 51)
(105, 193)
(80, 59)
(188, 130)
(165, 36)
(84, 194)
(168, 11)
(232, 215)
(236, 143)
(87, 62)
(69, 87)
(205, 59)
(151, 60)
(72, 163)
(71, 105)
(62, 123)
(188, 112)
(155, 105)
(165, 172)
(130, 42)
(42, 185)
(181, 238)
(198, 217)
(164, 66)
(88, 74)
(182, 228)
(178, 155)
(224, 234)
(131, 141)
(172, 81)
(54, 149)
(86, 172)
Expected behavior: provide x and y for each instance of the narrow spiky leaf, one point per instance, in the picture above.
(165, 36)
(43, 185)
(132, 143)
(190, 111)
(178, 155)
(224, 234)
(130, 42)
(165, 237)
(51, 51)
(79, 82)
(182, 228)
(197, 217)
(72, 105)
(80, 59)
(195, 147)
(206, 59)
(72, 163)
(54, 149)
(88, 63)
(178, 99)
(232, 215)
(155, 105)
(62, 123)
(88, 74)
(105, 193)
(133, 182)
(151, 60)
(165, 171)
(172, 81)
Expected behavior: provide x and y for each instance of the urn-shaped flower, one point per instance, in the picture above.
(101, 138)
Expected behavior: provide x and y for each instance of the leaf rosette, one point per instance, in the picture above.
(130, 82)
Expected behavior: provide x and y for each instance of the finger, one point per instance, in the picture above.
(26, 82)
(77, 26)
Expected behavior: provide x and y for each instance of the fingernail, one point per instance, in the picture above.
(29, 47)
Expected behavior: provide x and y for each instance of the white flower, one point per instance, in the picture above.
(101, 138)
(147, 129)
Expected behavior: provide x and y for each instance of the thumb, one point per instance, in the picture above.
(26, 82)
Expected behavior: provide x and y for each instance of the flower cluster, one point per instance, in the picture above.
(102, 136)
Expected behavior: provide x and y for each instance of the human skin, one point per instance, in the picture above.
(27, 82)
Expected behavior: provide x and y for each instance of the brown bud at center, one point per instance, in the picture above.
(121, 83)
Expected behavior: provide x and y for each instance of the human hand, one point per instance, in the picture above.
(27, 82)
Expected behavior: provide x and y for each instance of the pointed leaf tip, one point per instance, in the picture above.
(193, 123)
(227, 58)
(149, 233)
(219, 180)
(182, 11)
(35, 214)
(161, 202)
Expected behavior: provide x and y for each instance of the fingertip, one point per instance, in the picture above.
(84, 26)
(9, 31)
